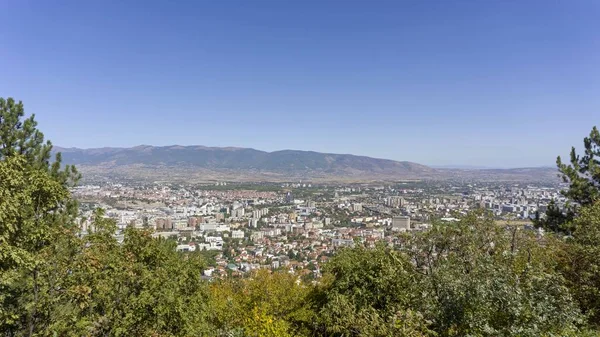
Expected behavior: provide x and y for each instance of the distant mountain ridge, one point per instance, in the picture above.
(293, 163)
(202, 163)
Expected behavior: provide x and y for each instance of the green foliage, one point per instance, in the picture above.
(264, 304)
(581, 262)
(26, 198)
(139, 287)
(583, 176)
(367, 292)
(583, 172)
(471, 278)
(21, 138)
(262, 324)
(484, 280)
(555, 220)
(35, 212)
(52, 282)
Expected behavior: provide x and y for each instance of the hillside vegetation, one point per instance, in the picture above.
(241, 160)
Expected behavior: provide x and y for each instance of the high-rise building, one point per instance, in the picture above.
(400, 223)
(163, 223)
(395, 201)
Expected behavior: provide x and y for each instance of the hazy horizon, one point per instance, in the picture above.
(494, 84)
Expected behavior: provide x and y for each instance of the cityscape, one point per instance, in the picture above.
(297, 226)
(300, 168)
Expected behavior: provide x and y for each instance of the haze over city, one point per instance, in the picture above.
(492, 84)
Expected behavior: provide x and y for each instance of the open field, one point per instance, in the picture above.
(513, 222)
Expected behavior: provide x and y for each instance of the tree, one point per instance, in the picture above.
(581, 262)
(20, 137)
(583, 172)
(470, 278)
(36, 210)
(583, 176)
(369, 292)
(555, 220)
(26, 197)
(141, 286)
(263, 304)
(262, 324)
(480, 279)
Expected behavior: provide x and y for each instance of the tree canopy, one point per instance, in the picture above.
(583, 176)
(583, 172)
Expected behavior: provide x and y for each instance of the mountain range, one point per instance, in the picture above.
(201, 163)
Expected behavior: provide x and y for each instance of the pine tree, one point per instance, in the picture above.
(583, 174)
(555, 220)
(36, 210)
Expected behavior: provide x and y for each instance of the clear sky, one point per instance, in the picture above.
(489, 83)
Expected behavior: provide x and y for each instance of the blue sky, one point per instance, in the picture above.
(489, 83)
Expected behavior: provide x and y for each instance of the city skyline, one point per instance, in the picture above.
(477, 84)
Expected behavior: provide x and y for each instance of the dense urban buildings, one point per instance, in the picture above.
(298, 226)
